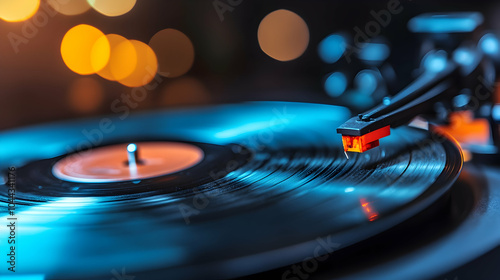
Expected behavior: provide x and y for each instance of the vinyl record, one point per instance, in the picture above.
(272, 188)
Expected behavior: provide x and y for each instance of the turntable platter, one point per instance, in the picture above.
(272, 189)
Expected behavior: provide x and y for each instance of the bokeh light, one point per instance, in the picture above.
(283, 35)
(81, 53)
(495, 112)
(18, 10)
(122, 60)
(461, 100)
(85, 95)
(69, 7)
(336, 84)
(174, 50)
(374, 52)
(146, 67)
(112, 8)
(185, 91)
(490, 44)
(435, 61)
(464, 56)
(366, 81)
(332, 48)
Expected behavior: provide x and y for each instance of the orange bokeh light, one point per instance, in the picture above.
(146, 66)
(83, 52)
(122, 59)
(283, 35)
(466, 129)
(18, 10)
(174, 50)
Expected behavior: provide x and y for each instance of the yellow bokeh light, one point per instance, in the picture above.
(146, 67)
(100, 53)
(174, 50)
(283, 35)
(85, 95)
(69, 7)
(122, 60)
(112, 8)
(83, 52)
(18, 10)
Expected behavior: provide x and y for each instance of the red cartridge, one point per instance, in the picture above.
(365, 142)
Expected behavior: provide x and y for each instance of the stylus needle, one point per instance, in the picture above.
(347, 156)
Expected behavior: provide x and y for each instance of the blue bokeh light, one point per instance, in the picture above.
(495, 113)
(336, 84)
(366, 81)
(435, 61)
(374, 52)
(331, 48)
(461, 100)
(463, 56)
(446, 23)
(386, 100)
(490, 44)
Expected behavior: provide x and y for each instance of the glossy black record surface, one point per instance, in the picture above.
(294, 195)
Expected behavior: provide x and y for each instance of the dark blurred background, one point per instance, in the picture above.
(229, 65)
